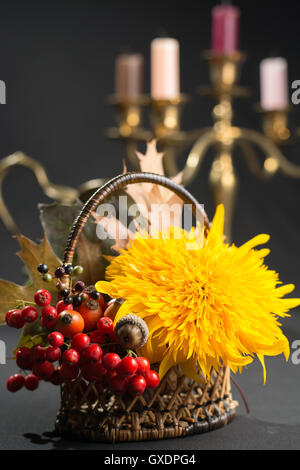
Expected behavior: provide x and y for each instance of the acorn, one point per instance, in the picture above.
(131, 332)
(113, 307)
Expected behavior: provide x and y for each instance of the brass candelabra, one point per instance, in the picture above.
(222, 136)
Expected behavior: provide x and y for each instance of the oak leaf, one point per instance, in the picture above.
(32, 255)
(150, 199)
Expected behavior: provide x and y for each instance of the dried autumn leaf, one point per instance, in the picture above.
(147, 195)
(89, 256)
(150, 199)
(57, 220)
(32, 255)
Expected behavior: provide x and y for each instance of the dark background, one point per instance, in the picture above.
(57, 60)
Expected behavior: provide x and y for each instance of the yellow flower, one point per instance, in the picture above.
(215, 305)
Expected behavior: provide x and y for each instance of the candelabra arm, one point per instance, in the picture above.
(275, 159)
(59, 193)
(197, 154)
(252, 160)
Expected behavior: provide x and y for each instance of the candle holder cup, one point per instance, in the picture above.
(275, 124)
(166, 114)
(129, 118)
(224, 72)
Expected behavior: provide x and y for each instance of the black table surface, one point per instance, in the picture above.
(27, 418)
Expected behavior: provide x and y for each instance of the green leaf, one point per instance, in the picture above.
(32, 335)
(57, 220)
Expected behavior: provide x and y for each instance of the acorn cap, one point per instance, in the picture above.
(131, 331)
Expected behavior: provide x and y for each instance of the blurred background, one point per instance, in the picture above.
(57, 60)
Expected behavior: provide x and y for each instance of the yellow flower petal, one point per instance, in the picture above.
(106, 288)
(122, 312)
(219, 304)
(189, 369)
(166, 364)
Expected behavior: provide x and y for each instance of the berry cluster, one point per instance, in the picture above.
(16, 318)
(81, 342)
(60, 272)
(71, 315)
(109, 371)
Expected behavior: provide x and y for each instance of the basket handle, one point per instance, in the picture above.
(120, 182)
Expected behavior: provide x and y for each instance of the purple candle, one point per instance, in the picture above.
(225, 29)
(129, 75)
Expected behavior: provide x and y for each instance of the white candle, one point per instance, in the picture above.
(274, 84)
(165, 74)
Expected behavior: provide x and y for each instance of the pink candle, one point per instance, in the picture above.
(165, 76)
(274, 84)
(225, 29)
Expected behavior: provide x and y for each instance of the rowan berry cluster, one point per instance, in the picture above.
(80, 343)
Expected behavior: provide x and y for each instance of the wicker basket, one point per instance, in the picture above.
(178, 407)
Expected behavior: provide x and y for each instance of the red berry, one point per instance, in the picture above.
(49, 316)
(71, 357)
(69, 323)
(7, 317)
(111, 361)
(92, 353)
(42, 297)
(69, 372)
(44, 370)
(105, 325)
(137, 385)
(56, 339)
(31, 382)
(30, 314)
(15, 382)
(53, 353)
(93, 371)
(152, 379)
(118, 384)
(102, 338)
(49, 325)
(15, 319)
(98, 337)
(80, 342)
(127, 366)
(90, 312)
(24, 358)
(107, 378)
(143, 365)
(61, 306)
(39, 354)
(56, 377)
